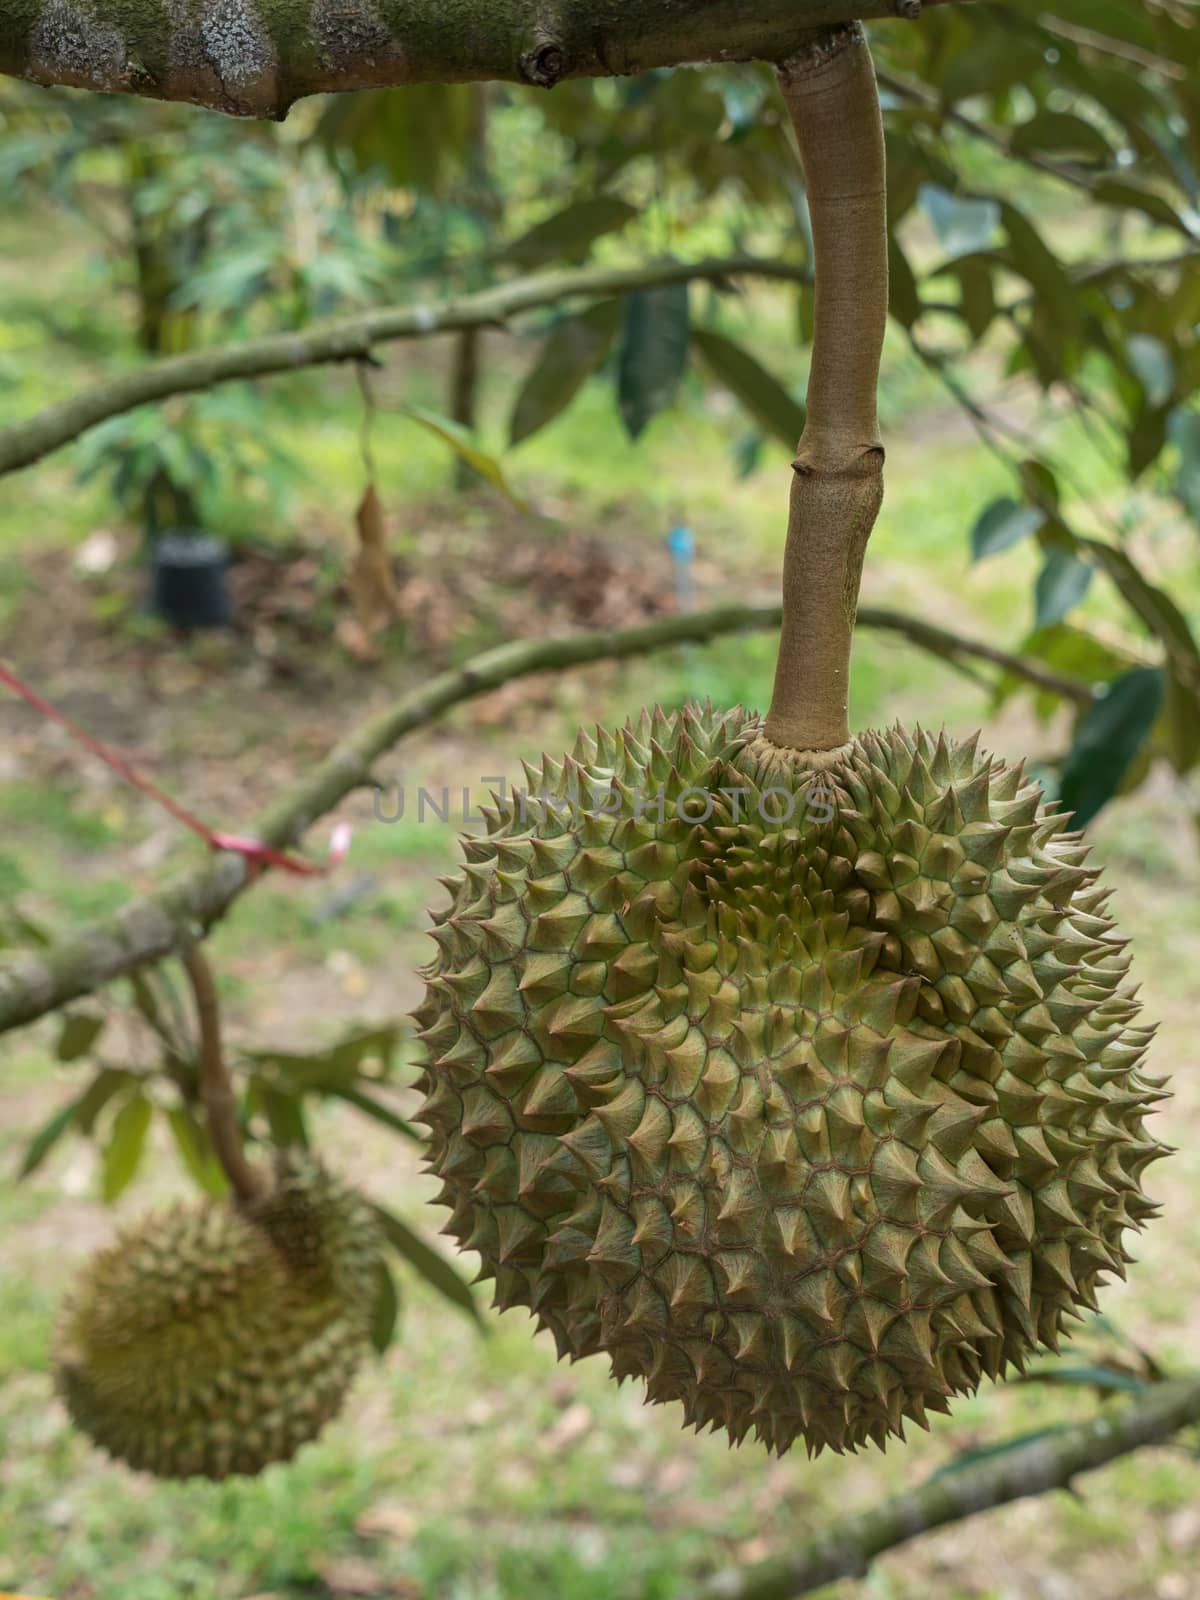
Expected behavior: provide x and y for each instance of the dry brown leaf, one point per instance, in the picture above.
(371, 583)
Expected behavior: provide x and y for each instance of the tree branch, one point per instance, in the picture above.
(1051, 1460)
(23, 444)
(41, 980)
(351, 339)
(257, 57)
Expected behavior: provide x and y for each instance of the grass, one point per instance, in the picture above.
(468, 1468)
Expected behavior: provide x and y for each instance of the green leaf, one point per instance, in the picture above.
(989, 1452)
(1071, 651)
(904, 297)
(467, 449)
(1106, 1380)
(126, 1144)
(356, 1096)
(419, 136)
(145, 999)
(98, 1093)
(575, 349)
(195, 1147)
(45, 1139)
(285, 1116)
(1159, 613)
(1001, 525)
(1029, 255)
(1131, 197)
(1107, 740)
(764, 397)
(977, 293)
(1060, 133)
(429, 1263)
(654, 353)
(1183, 430)
(78, 1034)
(326, 1071)
(570, 234)
(1062, 584)
(1152, 604)
(386, 1310)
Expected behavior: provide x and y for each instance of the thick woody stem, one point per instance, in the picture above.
(837, 487)
(216, 1089)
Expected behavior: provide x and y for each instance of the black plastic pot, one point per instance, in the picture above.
(190, 587)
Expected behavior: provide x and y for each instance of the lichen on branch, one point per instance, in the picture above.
(257, 57)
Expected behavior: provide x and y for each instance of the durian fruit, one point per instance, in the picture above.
(211, 1339)
(805, 1088)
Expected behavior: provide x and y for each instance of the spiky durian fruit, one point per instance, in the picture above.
(810, 1101)
(211, 1340)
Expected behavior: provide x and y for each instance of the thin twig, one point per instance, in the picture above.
(41, 980)
(216, 1088)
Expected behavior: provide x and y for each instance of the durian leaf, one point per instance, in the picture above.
(356, 1096)
(570, 234)
(45, 1139)
(387, 1309)
(467, 448)
(575, 349)
(98, 1093)
(1153, 605)
(1105, 1380)
(1071, 651)
(988, 1452)
(78, 1034)
(763, 396)
(194, 1145)
(430, 1264)
(285, 1117)
(125, 1147)
(1157, 612)
(904, 297)
(326, 1070)
(1061, 585)
(1107, 740)
(654, 354)
(145, 999)
(1001, 525)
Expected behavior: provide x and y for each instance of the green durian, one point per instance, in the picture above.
(806, 1089)
(211, 1339)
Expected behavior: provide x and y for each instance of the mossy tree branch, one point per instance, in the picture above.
(257, 57)
(39, 981)
(1052, 1460)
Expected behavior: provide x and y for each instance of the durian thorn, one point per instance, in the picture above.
(248, 1182)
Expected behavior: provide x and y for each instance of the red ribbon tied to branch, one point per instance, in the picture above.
(253, 851)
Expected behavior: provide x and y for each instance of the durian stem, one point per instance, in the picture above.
(837, 484)
(216, 1086)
